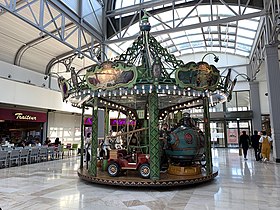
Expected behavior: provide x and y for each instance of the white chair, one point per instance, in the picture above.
(43, 153)
(50, 153)
(14, 156)
(59, 152)
(34, 155)
(3, 158)
(24, 155)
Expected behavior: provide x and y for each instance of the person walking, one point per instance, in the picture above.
(255, 138)
(266, 142)
(244, 143)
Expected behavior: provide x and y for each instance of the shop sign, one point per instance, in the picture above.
(21, 116)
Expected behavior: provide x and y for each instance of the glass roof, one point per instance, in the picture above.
(236, 37)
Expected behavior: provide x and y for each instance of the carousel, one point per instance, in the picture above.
(164, 146)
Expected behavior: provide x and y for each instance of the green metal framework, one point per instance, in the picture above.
(94, 142)
(154, 136)
(208, 153)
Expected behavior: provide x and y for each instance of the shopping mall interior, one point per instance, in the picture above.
(139, 104)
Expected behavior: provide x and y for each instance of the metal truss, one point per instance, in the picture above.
(67, 58)
(118, 20)
(267, 33)
(53, 18)
(257, 53)
(269, 30)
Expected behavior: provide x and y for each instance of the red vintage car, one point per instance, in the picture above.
(120, 161)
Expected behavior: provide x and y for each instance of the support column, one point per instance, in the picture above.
(94, 139)
(82, 139)
(273, 86)
(255, 106)
(154, 136)
(106, 122)
(208, 152)
(145, 125)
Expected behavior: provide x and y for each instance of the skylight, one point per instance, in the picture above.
(234, 37)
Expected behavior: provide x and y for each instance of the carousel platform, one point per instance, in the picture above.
(131, 179)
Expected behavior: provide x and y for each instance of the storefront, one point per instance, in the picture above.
(17, 125)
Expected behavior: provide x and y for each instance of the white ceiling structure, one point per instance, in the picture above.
(236, 37)
(36, 34)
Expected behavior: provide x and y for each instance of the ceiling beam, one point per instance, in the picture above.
(258, 4)
(194, 26)
(57, 20)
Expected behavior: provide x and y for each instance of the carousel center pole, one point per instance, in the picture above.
(208, 153)
(154, 136)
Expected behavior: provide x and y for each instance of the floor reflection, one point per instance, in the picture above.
(55, 185)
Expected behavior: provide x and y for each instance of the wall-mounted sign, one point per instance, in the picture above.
(22, 115)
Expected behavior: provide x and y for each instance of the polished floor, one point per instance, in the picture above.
(241, 184)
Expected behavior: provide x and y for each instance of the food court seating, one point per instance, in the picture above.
(51, 151)
(43, 153)
(24, 155)
(59, 152)
(34, 154)
(66, 149)
(14, 156)
(3, 158)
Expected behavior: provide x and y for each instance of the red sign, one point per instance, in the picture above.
(21, 115)
(232, 135)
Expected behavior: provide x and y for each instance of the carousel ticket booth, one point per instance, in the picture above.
(149, 85)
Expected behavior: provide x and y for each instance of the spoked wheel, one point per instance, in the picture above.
(145, 170)
(113, 169)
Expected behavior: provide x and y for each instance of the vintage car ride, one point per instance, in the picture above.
(119, 161)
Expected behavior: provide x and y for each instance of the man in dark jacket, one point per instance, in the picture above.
(244, 143)
(255, 144)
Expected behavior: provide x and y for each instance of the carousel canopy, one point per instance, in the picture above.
(144, 68)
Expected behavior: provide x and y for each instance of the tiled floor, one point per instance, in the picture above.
(55, 185)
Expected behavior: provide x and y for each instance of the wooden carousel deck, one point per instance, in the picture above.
(132, 179)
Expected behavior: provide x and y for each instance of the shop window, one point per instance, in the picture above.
(231, 105)
(243, 100)
(240, 101)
